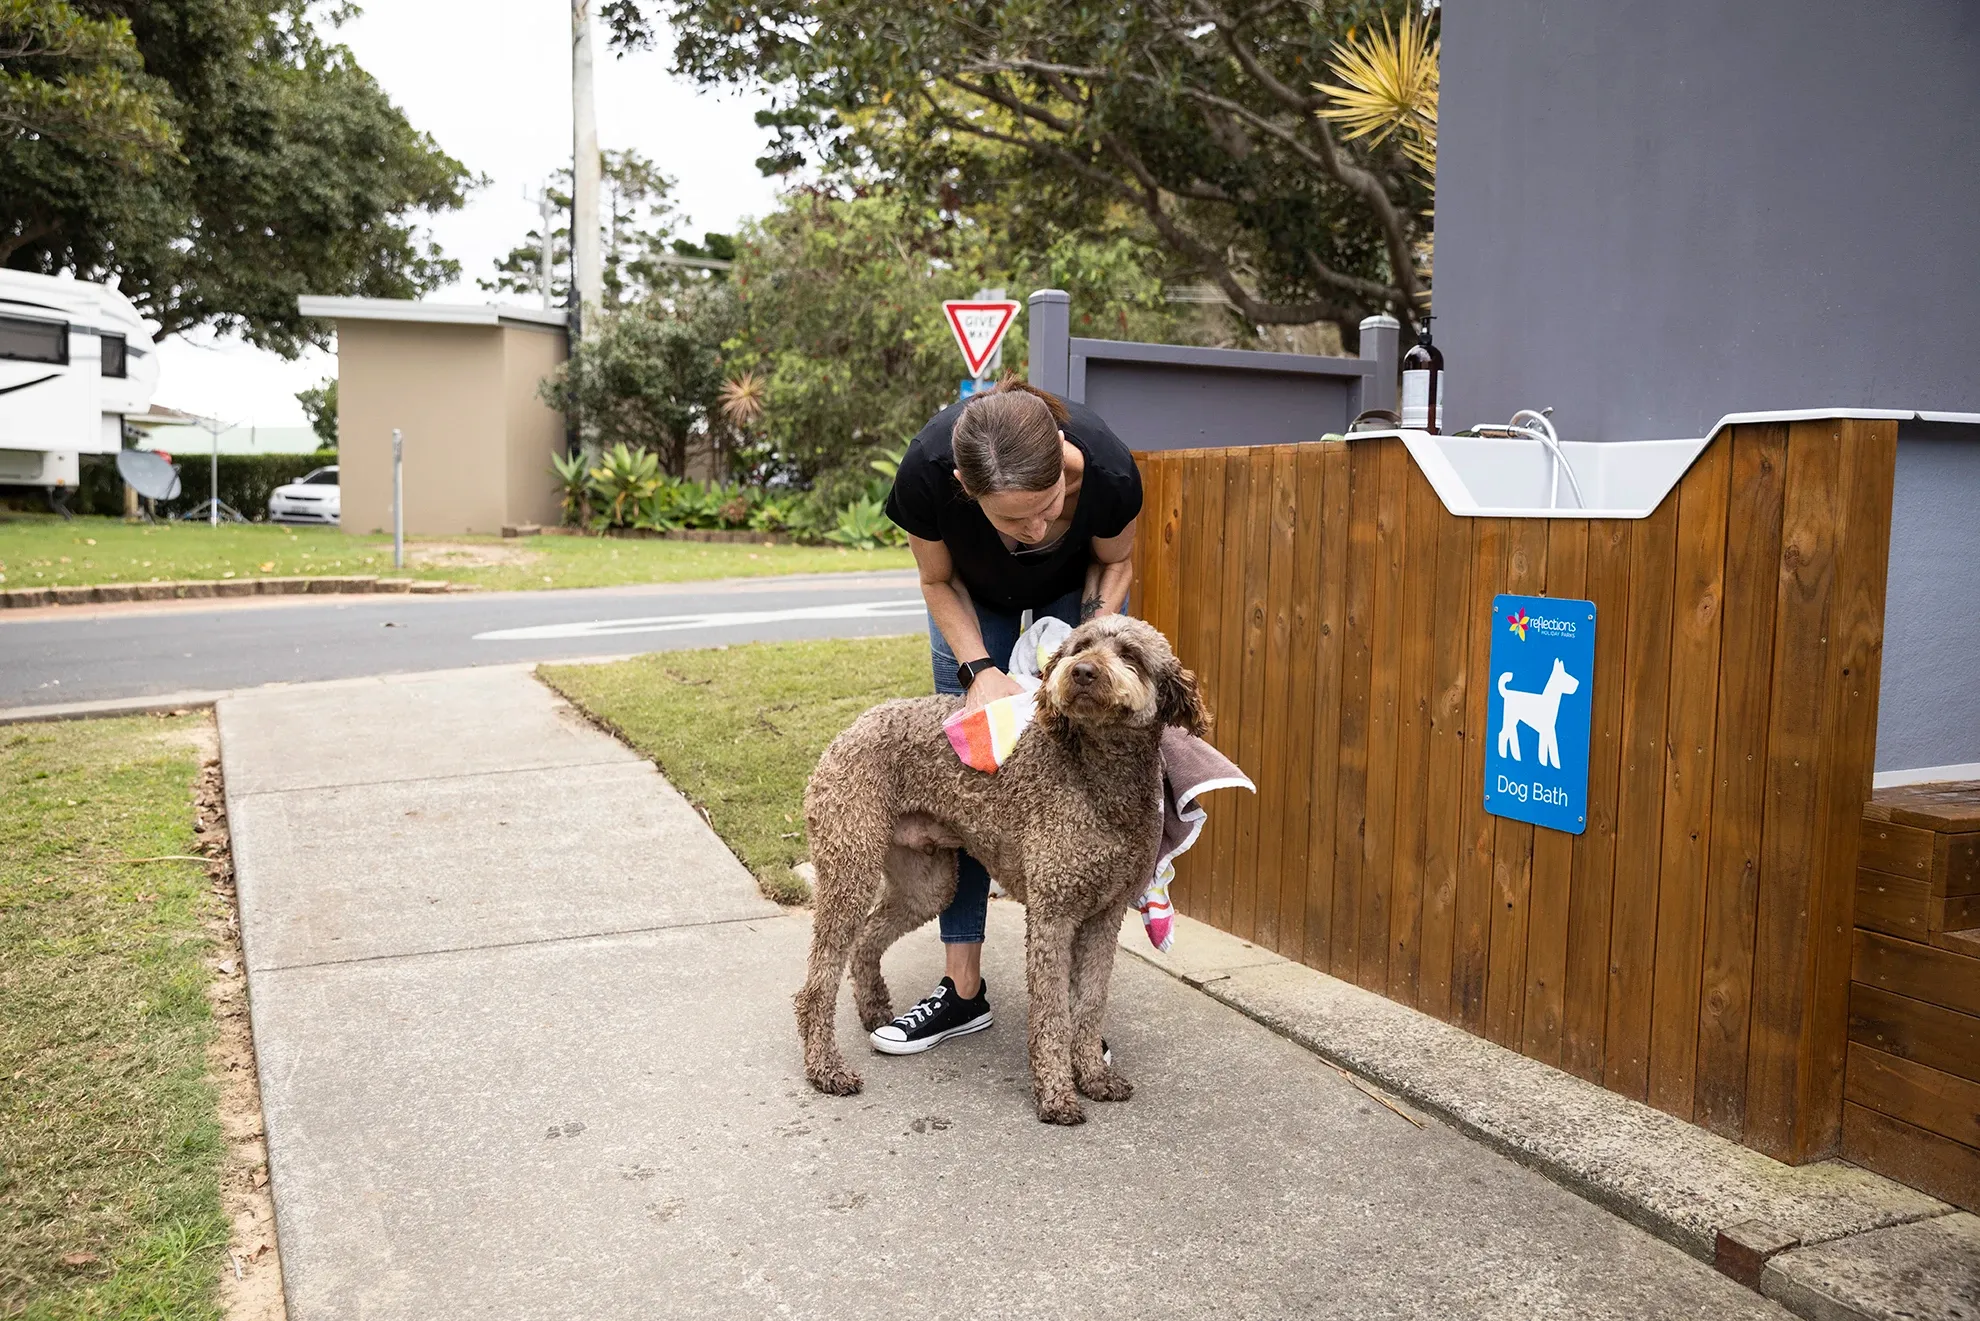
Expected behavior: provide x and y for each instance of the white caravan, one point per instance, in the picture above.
(75, 359)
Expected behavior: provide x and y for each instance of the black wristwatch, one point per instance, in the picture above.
(970, 671)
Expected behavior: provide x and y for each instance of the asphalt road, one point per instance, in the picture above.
(80, 654)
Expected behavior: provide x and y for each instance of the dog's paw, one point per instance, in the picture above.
(1106, 1086)
(836, 1082)
(1064, 1110)
(876, 1016)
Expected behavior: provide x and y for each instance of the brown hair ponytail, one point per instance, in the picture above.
(1008, 440)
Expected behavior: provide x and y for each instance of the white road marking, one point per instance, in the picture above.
(608, 628)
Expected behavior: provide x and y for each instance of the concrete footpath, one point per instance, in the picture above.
(525, 1040)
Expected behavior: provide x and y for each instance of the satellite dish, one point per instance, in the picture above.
(150, 475)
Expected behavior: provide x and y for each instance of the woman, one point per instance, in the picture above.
(1015, 504)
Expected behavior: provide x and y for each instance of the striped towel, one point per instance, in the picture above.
(983, 738)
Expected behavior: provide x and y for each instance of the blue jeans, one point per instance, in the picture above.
(962, 921)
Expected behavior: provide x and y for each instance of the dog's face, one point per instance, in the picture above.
(1119, 672)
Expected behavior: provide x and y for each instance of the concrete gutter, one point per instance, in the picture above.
(28, 598)
(114, 706)
(1828, 1240)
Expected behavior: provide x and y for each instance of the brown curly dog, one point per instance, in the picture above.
(1069, 825)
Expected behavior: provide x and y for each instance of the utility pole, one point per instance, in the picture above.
(543, 264)
(586, 269)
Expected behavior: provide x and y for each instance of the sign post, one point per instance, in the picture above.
(1539, 696)
(979, 326)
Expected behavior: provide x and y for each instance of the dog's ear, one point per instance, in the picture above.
(1180, 703)
(1049, 714)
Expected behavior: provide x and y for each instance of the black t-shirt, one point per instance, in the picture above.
(929, 502)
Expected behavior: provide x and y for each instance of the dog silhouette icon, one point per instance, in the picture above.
(1540, 710)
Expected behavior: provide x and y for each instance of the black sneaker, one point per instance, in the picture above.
(942, 1015)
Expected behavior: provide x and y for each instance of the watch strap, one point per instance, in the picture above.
(969, 671)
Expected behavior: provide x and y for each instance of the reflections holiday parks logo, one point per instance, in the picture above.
(1519, 623)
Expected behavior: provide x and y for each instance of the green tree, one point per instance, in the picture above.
(1203, 117)
(651, 378)
(281, 168)
(842, 316)
(638, 218)
(319, 405)
(70, 78)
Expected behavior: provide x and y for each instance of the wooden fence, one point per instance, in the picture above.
(1691, 948)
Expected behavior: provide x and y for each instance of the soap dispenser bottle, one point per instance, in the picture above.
(1423, 385)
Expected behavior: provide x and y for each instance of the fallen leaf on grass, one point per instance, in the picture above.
(79, 1259)
(261, 1177)
(228, 966)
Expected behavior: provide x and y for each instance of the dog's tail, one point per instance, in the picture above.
(1504, 679)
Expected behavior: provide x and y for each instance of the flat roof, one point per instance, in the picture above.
(453, 314)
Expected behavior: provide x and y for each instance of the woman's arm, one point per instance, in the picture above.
(1110, 574)
(949, 607)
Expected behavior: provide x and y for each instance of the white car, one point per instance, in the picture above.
(313, 499)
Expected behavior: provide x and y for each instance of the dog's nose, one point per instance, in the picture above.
(1084, 673)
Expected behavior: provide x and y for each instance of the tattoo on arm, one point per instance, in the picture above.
(1090, 607)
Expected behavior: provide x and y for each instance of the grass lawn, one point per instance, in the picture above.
(738, 729)
(40, 550)
(110, 1143)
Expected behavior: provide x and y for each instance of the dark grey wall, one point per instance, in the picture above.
(1163, 397)
(1655, 212)
(1929, 711)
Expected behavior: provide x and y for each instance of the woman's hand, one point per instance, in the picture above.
(989, 686)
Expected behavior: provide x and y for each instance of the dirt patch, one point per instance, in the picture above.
(470, 555)
(251, 1279)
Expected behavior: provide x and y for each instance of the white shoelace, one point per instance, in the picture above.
(922, 1012)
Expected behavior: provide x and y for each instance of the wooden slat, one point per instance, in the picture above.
(1691, 731)
(1274, 767)
(1894, 905)
(1640, 805)
(1542, 1021)
(1378, 838)
(1256, 549)
(1937, 1102)
(1472, 936)
(1928, 1034)
(1512, 849)
(1322, 822)
(1855, 661)
(1910, 1155)
(1951, 808)
(1886, 846)
(1351, 798)
(1956, 865)
(1739, 802)
(1905, 967)
(1305, 644)
(1793, 834)
(1444, 789)
(1197, 609)
(1592, 885)
(1168, 557)
(1960, 912)
(1415, 697)
(1234, 468)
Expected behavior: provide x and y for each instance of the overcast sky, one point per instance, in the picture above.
(491, 81)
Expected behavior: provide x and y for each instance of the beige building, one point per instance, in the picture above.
(460, 382)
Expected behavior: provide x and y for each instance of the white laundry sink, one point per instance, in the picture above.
(1491, 477)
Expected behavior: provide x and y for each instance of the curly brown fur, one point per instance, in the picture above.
(1069, 825)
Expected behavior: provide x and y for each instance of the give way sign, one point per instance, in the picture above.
(979, 328)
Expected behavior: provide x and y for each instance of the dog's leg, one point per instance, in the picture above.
(919, 885)
(1048, 970)
(1092, 970)
(845, 889)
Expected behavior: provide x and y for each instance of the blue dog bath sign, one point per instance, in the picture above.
(1540, 694)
